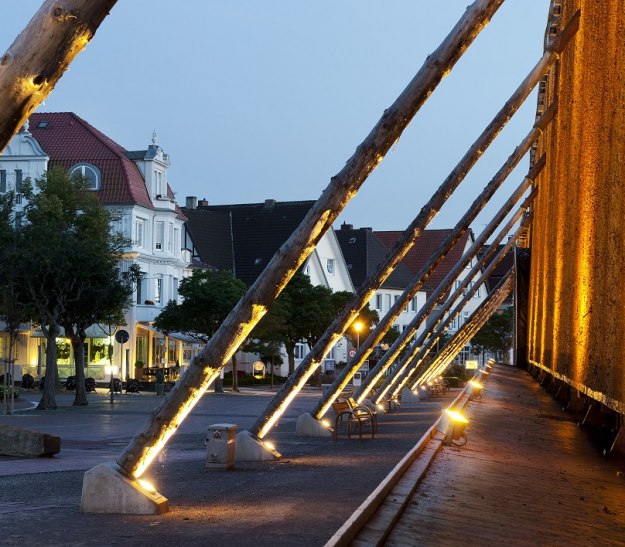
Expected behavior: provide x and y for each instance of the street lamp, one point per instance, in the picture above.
(357, 328)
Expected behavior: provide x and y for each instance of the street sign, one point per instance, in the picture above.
(470, 365)
(351, 353)
(122, 336)
(329, 365)
(365, 366)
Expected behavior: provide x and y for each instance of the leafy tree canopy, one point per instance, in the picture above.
(496, 334)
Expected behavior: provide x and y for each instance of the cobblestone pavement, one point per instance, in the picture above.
(300, 500)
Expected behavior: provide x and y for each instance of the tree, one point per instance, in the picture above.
(12, 310)
(302, 312)
(496, 334)
(208, 298)
(63, 241)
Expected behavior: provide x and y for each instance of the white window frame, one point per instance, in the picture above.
(159, 234)
(330, 263)
(140, 224)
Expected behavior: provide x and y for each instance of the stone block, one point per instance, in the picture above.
(27, 443)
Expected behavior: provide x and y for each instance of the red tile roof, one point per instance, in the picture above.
(425, 246)
(68, 140)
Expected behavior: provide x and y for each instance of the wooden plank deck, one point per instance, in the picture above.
(527, 476)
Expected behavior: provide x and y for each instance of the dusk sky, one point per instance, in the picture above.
(255, 100)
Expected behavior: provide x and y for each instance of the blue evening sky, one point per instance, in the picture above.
(256, 100)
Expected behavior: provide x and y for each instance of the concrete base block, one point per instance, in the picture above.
(26, 443)
(251, 449)
(409, 396)
(307, 426)
(105, 489)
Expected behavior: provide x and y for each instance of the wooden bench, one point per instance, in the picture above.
(358, 416)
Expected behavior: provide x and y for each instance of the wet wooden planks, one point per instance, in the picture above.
(527, 476)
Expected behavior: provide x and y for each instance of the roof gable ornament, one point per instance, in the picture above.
(154, 138)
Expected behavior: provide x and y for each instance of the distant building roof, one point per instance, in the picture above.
(425, 246)
(507, 262)
(258, 231)
(363, 252)
(211, 232)
(68, 140)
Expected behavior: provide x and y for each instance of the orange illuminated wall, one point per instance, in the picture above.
(577, 283)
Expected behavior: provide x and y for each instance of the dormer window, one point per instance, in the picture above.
(90, 173)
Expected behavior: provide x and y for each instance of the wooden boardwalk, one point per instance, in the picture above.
(528, 475)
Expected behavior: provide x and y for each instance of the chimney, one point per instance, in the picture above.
(346, 226)
(202, 203)
(191, 202)
(269, 204)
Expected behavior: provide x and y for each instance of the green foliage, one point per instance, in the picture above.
(496, 334)
(209, 297)
(9, 389)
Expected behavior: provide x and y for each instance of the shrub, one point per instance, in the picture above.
(17, 392)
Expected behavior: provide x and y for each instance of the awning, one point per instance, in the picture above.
(177, 335)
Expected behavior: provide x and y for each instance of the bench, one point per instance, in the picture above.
(352, 416)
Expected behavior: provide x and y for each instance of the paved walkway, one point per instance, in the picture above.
(300, 500)
(528, 475)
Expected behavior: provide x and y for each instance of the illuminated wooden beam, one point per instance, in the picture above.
(416, 367)
(340, 325)
(475, 323)
(464, 292)
(439, 294)
(236, 328)
(376, 336)
(39, 56)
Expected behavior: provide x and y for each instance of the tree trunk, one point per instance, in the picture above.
(48, 398)
(290, 354)
(41, 54)
(235, 373)
(78, 345)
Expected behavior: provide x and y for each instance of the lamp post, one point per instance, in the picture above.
(357, 328)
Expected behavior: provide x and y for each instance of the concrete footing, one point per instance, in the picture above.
(252, 449)
(105, 489)
(409, 396)
(307, 426)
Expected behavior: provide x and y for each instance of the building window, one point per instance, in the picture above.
(158, 289)
(158, 184)
(301, 349)
(413, 304)
(330, 265)
(378, 301)
(140, 232)
(89, 173)
(18, 220)
(18, 181)
(177, 244)
(140, 290)
(465, 317)
(3, 181)
(170, 237)
(159, 235)
(389, 300)
(174, 294)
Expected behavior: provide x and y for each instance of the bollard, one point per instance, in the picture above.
(220, 446)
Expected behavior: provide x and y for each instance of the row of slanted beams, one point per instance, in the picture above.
(575, 317)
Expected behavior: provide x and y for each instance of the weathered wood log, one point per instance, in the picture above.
(439, 294)
(234, 330)
(468, 330)
(411, 363)
(36, 60)
(27, 443)
(339, 326)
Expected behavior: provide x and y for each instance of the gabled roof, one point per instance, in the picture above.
(211, 232)
(68, 140)
(258, 231)
(425, 246)
(363, 252)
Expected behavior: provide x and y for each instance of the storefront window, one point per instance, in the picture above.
(158, 352)
(98, 350)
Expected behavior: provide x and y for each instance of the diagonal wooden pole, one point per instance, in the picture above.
(205, 367)
(415, 362)
(475, 323)
(439, 294)
(339, 326)
(387, 321)
(462, 294)
(39, 56)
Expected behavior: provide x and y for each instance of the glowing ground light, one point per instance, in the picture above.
(475, 384)
(325, 423)
(269, 445)
(456, 416)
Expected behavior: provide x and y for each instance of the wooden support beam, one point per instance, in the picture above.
(39, 56)
(206, 366)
